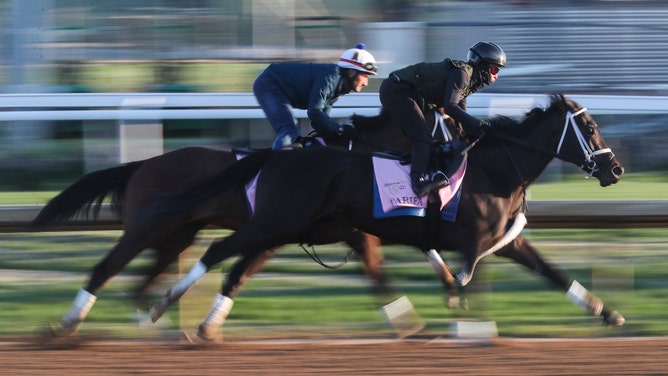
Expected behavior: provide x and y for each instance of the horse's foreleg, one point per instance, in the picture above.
(446, 276)
(525, 254)
(579, 295)
(400, 312)
(241, 271)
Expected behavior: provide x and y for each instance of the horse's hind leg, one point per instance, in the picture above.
(125, 250)
(166, 253)
(86, 297)
(525, 254)
(241, 271)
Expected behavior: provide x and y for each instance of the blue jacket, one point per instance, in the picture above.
(312, 87)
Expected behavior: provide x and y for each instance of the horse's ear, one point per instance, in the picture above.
(558, 98)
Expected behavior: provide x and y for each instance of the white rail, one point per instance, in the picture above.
(155, 106)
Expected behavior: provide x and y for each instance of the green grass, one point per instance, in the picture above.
(200, 77)
(643, 186)
(627, 268)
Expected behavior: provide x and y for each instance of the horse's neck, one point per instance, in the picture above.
(510, 166)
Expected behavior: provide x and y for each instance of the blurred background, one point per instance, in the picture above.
(120, 47)
(74, 74)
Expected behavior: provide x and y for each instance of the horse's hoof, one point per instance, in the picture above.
(54, 336)
(207, 333)
(157, 310)
(453, 302)
(63, 329)
(197, 340)
(615, 319)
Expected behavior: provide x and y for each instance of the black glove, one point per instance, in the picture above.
(349, 132)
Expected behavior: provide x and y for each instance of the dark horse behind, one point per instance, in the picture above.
(134, 186)
(489, 218)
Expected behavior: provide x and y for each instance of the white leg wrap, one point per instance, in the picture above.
(82, 304)
(221, 307)
(466, 274)
(436, 261)
(195, 274)
(398, 307)
(579, 295)
(403, 317)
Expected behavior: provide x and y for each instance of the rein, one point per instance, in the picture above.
(314, 256)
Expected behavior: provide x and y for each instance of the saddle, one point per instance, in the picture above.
(444, 158)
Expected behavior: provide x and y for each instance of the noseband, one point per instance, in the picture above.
(589, 154)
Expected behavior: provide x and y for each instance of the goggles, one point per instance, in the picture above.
(371, 67)
(494, 69)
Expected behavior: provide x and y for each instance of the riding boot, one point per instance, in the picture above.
(420, 181)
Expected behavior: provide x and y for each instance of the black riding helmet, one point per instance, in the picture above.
(483, 55)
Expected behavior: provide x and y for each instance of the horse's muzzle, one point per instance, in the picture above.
(611, 174)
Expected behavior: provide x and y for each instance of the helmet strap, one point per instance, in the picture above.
(480, 76)
(348, 75)
(484, 76)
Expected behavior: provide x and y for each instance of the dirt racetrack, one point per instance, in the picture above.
(500, 356)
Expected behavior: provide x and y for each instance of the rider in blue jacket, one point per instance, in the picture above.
(313, 87)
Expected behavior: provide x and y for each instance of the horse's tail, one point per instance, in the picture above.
(235, 177)
(87, 194)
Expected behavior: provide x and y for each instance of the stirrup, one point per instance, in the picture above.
(422, 186)
(441, 177)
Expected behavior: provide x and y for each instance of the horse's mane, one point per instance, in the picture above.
(511, 126)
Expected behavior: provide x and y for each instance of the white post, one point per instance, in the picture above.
(140, 139)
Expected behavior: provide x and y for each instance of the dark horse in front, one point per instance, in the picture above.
(489, 218)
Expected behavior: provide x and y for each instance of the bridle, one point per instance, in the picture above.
(589, 165)
(589, 154)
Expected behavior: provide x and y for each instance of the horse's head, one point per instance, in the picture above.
(582, 143)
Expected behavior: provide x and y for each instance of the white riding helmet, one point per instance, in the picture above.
(359, 59)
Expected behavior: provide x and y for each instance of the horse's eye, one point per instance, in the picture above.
(590, 128)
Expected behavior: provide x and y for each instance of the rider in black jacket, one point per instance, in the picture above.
(409, 92)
